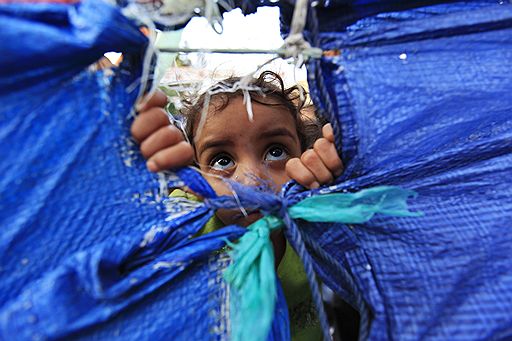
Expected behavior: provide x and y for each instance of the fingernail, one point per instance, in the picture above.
(151, 165)
(327, 132)
(314, 185)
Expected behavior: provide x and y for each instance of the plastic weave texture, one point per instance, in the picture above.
(82, 248)
(420, 98)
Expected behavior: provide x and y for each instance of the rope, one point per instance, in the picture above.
(364, 322)
(322, 100)
(282, 52)
(321, 97)
(295, 45)
(294, 237)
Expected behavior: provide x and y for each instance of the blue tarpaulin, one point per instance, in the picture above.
(419, 96)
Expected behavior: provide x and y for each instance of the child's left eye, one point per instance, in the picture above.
(221, 162)
(276, 153)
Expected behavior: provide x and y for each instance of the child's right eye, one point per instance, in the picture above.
(222, 163)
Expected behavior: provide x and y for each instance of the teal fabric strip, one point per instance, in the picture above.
(252, 276)
(354, 208)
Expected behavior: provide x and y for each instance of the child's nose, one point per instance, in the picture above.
(251, 174)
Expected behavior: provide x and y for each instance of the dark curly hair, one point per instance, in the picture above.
(271, 91)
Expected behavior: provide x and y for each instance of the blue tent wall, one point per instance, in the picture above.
(62, 260)
(422, 100)
(71, 191)
(77, 201)
(48, 142)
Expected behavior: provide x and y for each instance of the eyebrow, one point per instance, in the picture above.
(228, 142)
(278, 132)
(214, 144)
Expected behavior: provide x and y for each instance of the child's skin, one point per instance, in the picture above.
(230, 146)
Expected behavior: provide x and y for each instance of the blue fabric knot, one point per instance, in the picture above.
(211, 204)
(227, 202)
(253, 256)
(281, 208)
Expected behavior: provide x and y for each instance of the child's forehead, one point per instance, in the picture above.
(220, 102)
(234, 125)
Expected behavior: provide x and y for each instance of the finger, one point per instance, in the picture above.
(312, 161)
(300, 173)
(328, 133)
(329, 156)
(161, 139)
(178, 155)
(148, 122)
(156, 99)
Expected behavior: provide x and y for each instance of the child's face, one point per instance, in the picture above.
(232, 147)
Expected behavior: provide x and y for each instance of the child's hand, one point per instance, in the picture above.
(317, 166)
(161, 143)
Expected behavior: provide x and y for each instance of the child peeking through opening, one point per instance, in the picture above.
(280, 143)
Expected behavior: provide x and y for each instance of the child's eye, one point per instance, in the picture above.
(276, 153)
(221, 162)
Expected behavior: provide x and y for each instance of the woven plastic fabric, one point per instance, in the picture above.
(89, 247)
(420, 98)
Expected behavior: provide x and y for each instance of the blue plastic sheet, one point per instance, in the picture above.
(87, 249)
(421, 99)
(419, 96)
